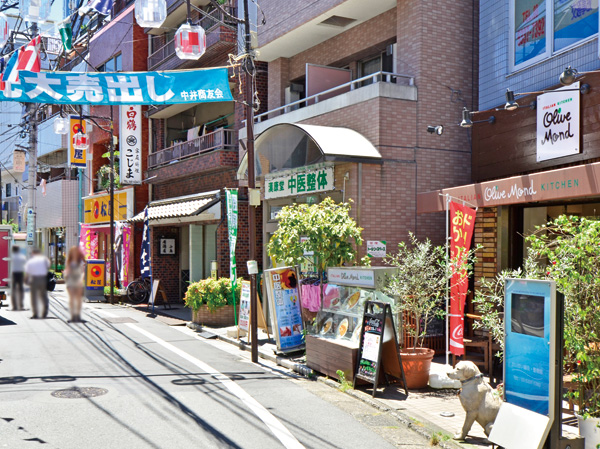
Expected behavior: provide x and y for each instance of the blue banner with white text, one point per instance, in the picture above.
(120, 88)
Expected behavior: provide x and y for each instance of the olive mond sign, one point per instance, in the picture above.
(121, 88)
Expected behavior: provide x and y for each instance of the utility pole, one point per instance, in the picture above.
(249, 78)
(33, 142)
(112, 209)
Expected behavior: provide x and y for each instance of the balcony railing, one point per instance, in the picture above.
(385, 77)
(222, 139)
(209, 23)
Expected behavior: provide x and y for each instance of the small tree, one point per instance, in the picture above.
(330, 233)
(421, 280)
(15, 226)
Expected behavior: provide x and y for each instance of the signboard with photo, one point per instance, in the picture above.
(244, 322)
(284, 300)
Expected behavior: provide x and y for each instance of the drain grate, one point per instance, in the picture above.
(78, 393)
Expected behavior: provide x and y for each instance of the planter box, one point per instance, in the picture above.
(327, 357)
(222, 317)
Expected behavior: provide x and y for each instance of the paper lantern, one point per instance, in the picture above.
(150, 13)
(80, 141)
(190, 41)
(61, 125)
(35, 10)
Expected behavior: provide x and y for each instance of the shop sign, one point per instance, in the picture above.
(95, 274)
(245, 306)
(96, 209)
(104, 88)
(76, 155)
(167, 246)
(376, 248)
(232, 226)
(19, 161)
(130, 131)
(30, 226)
(352, 277)
(558, 123)
(284, 299)
(572, 182)
(307, 180)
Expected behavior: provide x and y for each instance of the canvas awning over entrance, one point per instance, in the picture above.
(291, 145)
(200, 206)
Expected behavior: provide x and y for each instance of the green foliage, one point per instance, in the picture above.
(213, 293)
(15, 226)
(489, 299)
(116, 291)
(332, 234)
(344, 384)
(568, 249)
(104, 176)
(420, 282)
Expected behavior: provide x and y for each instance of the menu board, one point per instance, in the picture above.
(284, 299)
(245, 306)
(378, 351)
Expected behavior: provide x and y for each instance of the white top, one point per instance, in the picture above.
(37, 266)
(18, 262)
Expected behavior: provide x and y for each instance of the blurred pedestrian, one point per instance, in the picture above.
(18, 261)
(36, 271)
(74, 274)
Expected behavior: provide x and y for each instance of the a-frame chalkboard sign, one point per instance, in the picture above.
(378, 352)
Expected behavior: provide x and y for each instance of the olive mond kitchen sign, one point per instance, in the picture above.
(558, 123)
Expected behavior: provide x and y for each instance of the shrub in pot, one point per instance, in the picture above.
(419, 286)
(212, 295)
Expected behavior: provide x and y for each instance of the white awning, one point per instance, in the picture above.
(286, 146)
(180, 207)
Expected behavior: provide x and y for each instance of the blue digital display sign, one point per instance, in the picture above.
(529, 346)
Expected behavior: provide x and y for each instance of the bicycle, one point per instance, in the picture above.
(139, 290)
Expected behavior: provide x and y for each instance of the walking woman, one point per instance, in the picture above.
(74, 274)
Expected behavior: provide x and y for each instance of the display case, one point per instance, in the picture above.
(332, 339)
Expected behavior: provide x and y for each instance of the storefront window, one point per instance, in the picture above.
(530, 30)
(536, 36)
(574, 20)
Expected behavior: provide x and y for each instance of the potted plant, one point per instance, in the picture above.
(420, 288)
(569, 250)
(119, 294)
(212, 301)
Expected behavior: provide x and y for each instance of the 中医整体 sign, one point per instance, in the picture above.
(130, 129)
(76, 156)
(558, 123)
(376, 248)
(298, 182)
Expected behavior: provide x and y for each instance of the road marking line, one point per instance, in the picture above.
(278, 429)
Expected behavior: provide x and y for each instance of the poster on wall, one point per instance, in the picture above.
(130, 130)
(284, 301)
(558, 123)
(245, 306)
(529, 29)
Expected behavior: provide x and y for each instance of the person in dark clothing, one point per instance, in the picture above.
(18, 261)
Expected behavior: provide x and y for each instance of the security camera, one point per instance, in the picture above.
(435, 129)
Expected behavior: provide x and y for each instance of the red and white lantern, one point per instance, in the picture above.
(190, 41)
(80, 141)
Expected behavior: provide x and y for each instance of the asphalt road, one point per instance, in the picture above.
(163, 387)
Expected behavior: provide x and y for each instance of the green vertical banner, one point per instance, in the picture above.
(232, 225)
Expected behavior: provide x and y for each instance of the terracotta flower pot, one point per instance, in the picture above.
(416, 366)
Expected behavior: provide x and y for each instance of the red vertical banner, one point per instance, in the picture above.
(462, 222)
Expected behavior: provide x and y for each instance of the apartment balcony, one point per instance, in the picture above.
(203, 154)
(354, 94)
(220, 40)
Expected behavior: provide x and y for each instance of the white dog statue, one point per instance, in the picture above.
(476, 397)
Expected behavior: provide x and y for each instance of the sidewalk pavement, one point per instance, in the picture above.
(435, 413)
